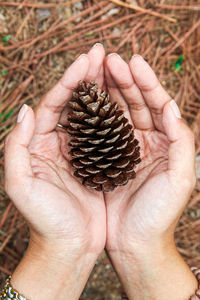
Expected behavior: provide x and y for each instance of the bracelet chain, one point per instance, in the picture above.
(9, 293)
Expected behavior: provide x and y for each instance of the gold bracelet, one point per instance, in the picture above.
(9, 293)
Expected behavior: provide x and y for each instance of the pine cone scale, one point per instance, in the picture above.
(103, 148)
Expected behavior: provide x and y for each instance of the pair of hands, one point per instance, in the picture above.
(70, 220)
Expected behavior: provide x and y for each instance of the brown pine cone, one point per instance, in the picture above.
(103, 148)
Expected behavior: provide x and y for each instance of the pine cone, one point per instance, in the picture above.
(103, 148)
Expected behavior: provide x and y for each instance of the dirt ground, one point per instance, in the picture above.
(38, 40)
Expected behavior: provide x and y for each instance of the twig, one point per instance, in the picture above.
(6, 212)
(5, 242)
(17, 93)
(178, 7)
(52, 28)
(34, 5)
(121, 44)
(90, 42)
(24, 23)
(172, 34)
(194, 27)
(143, 10)
(4, 270)
(60, 45)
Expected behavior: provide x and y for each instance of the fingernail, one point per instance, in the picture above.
(137, 55)
(22, 113)
(97, 44)
(175, 109)
(81, 56)
(114, 54)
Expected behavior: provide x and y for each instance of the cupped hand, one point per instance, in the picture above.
(148, 208)
(38, 176)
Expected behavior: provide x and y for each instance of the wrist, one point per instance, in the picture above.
(48, 272)
(154, 271)
(138, 249)
(139, 256)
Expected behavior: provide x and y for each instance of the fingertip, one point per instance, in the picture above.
(113, 57)
(136, 57)
(76, 71)
(97, 53)
(135, 60)
(175, 109)
(175, 127)
(143, 73)
(29, 117)
(22, 113)
(170, 122)
(98, 44)
(24, 128)
(16, 154)
(96, 57)
(109, 59)
(97, 47)
(181, 154)
(80, 57)
(119, 69)
(81, 61)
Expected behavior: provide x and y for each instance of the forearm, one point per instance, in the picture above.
(44, 275)
(154, 273)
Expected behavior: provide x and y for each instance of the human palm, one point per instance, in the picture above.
(66, 210)
(151, 203)
(60, 208)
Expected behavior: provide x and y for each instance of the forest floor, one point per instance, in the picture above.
(40, 39)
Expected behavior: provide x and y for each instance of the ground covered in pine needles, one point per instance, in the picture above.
(39, 39)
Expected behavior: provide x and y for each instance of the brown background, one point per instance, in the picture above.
(39, 39)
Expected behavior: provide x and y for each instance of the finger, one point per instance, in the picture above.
(96, 57)
(121, 74)
(181, 154)
(115, 94)
(52, 104)
(101, 79)
(17, 157)
(154, 94)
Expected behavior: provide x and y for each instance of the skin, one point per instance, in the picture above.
(141, 218)
(70, 224)
(67, 221)
(164, 179)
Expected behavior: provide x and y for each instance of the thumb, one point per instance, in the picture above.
(181, 155)
(17, 157)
